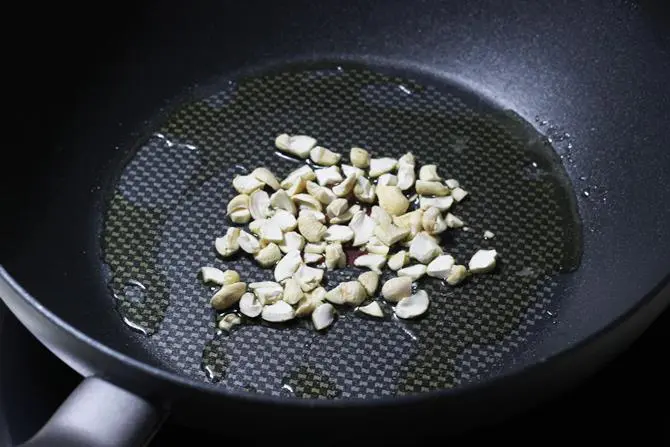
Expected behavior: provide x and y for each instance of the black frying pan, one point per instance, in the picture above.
(554, 114)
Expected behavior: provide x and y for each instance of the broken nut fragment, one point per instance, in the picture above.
(212, 275)
(344, 188)
(424, 248)
(288, 265)
(323, 316)
(379, 166)
(282, 201)
(228, 295)
(269, 255)
(335, 257)
(229, 321)
(248, 243)
(457, 274)
(390, 234)
(364, 190)
(370, 282)
(310, 301)
(483, 261)
(278, 312)
(359, 157)
(398, 260)
(311, 229)
(250, 305)
(228, 244)
(307, 202)
(320, 193)
(292, 241)
(412, 306)
(441, 203)
(259, 204)
(298, 145)
(246, 184)
(373, 262)
(338, 233)
(459, 194)
(337, 207)
(428, 173)
(377, 247)
(414, 272)
(266, 176)
(453, 221)
(292, 291)
(432, 221)
(324, 157)
(373, 309)
(308, 277)
(425, 188)
(398, 288)
(363, 227)
(392, 200)
(387, 180)
(440, 267)
(328, 176)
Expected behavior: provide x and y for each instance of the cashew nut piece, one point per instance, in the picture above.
(307, 202)
(453, 221)
(228, 321)
(390, 234)
(345, 187)
(483, 261)
(337, 207)
(428, 173)
(335, 257)
(452, 183)
(288, 265)
(432, 221)
(259, 204)
(441, 203)
(364, 190)
(377, 247)
(387, 180)
(323, 316)
(310, 228)
(379, 166)
(363, 227)
(278, 312)
(398, 288)
(228, 244)
(412, 306)
(298, 145)
(373, 309)
(373, 262)
(370, 282)
(328, 176)
(338, 233)
(280, 200)
(324, 157)
(359, 157)
(424, 248)
(414, 272)
(228, 295)
(457, 274)
(425, 188)
(248, 243)
(440, 267)
(246, 184)
(398, 260)
(212, 275)
(459, 194)
(392, 200)
(292, 241)
(312, 258)
(321, 193)
(346, 216)
(266, 176)
(268, 256)
(308, 277)
(348, 170)
(292, 291)
(250, 305)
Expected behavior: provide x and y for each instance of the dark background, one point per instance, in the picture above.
(628, 398)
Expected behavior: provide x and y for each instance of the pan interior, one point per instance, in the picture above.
(168, 206)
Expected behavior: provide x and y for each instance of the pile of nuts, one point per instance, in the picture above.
(302, 228)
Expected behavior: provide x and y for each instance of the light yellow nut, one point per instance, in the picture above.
(398, 288)
(390, 234)
(343, 189)
(311, 229)
(266, 176)
(364, 190)
(239, 202)
(246, 184)
(457, 274)
(282, 201)
(321, 193)
(425, 188)
(428, 173)
(335, 257)
(337, 207)
(228, 244)
(324, 157)
(370, 282)
(398, 260)
(228, 295)
(307, 202)
(269, 255)
(432, 221)
(392, 200)
(359, 157)
(298, 186)
(292, 291)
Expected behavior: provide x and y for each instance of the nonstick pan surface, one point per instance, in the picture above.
(552, 114)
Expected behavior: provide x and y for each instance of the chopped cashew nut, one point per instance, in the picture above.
(350, 292)
(240, 216)
(373, 262)
(364, 190)
(453, 221)
(428, 173)
(304, 172)
(346, 216)
(315, 248)
(398, 288)
(256, 225)
(392, 200)
(380, 216)
(238, 203)
(338, 233)
(248, 243)
(292, 241)
(297, 187)
(228, 244)
(250, 305)
(425, 188)
(379, 166)
(288, 265)
(376, 247)
(311, 300)
(373, 309)
(441, 203)
(228, 295)
(457, 274)
(345, 188)
(406, 174)
(348, 170)
(424, 248)
(307, 202)
(432, 221)
(398, 260)
(459, 194)
(406, 220)
(292, 291)
(230, 277)
(370, 282)
(335, 257)
(308, 277)
(483, 261)
(246, 184)
(312, 258)
(280, 200)
(284, 220)
(311, 228)
(337, 207)
(387, 180)
(318, 215)
(412, 306)
(359, 157)
(440, 267)
(298, 145)
(363, 227)
(266, 176)
(267, 292)
(278, 312)
(488, 234)
(324, 157)
(270, 231)
(415, 271)
(390, 234)
(328, 176)
(229, 321)
(452, 183)
(264, 285)
(213, 275)
(320, 193)
(269, 255)
(323, 316)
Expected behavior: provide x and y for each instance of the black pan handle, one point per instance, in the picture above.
(99, 414)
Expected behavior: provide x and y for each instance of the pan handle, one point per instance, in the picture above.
(99, 414)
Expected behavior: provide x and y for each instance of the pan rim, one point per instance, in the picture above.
(657, 293)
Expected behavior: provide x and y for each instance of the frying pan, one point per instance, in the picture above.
(554, 114)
